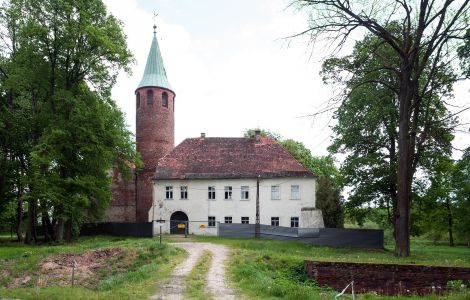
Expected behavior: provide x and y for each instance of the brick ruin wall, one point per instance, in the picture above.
(122, 208)
(386, 279)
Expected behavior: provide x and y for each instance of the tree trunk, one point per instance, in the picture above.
(404, 178)
(19, 218)
(60, 230)
(450, 221)
(31, 233)
(68, 231)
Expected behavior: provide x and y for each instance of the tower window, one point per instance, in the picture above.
(149, 97)
(165, 99)
(137, 99)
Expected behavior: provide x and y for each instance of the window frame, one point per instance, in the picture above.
(229, 218)
(275, 221)
(211, 193)
(278, 192)
(168, 192)
(228, 191)
(150, 97)
(184, 192)
(292, 195)
(245, 220)
(211, 221)
(165, 99)
(137, 98)
(245, 192)
(294, 221)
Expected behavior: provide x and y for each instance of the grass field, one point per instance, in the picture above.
(274, 269)
(258, 269)
(132, 275)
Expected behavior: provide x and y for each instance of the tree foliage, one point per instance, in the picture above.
(424, 36)
(63, 132)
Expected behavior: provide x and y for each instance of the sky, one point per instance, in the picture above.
(232, 68)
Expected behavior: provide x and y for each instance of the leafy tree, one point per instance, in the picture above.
(251, 132)
(329, 200)
(423, 35)
(329, 182)
(64, 132)
(367, 128)
(461, 188)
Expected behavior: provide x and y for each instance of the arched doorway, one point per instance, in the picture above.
(178, 223)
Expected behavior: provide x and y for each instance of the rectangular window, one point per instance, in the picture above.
(184, 192)
(228, 220)
(168, 192)
(211, 221)
(294, 222)
(228, 193)
(245, 220)
(274, 221)
(295, 192)
(211, 192)
(245, 192)
(275, 194)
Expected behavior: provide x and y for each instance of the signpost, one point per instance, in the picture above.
(160, 223)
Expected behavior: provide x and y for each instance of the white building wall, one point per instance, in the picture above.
(198, 207)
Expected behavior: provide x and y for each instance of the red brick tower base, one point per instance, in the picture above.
(155, 139)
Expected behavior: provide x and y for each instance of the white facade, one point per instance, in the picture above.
(280, 198)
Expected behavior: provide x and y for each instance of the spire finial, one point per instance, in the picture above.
(155, 15)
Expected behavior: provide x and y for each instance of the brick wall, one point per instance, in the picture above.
(122, 207)
(155, 138)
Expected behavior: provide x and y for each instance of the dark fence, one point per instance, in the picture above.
(341, 237)
(118, 229)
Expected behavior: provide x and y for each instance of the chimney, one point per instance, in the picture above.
(257, 135)
(203, 135)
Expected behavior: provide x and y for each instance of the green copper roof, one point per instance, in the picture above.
(155, 74)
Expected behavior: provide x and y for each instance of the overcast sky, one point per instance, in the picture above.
(231, 69)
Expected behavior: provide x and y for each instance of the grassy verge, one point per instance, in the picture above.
(275, 270)
(196, 280)
(131, 275)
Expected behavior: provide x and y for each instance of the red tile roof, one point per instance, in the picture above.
(223, 158)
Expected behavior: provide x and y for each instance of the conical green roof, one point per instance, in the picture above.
(155, 74)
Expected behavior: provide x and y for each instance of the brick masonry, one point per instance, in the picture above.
(155, 138)
(386, 279)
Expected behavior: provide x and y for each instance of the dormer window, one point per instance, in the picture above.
(137, 99)
(165, 99)
(149, 97)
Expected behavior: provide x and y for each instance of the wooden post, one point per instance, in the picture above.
(257, 224)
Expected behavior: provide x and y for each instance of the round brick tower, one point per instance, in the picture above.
(155, 123)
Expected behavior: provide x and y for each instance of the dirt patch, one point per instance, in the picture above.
(387, 279)
(57, 270)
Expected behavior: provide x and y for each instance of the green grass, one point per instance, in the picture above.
(132, 275)
(264, 269)
(196, 280)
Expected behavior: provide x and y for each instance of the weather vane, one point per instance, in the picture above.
(155, 15)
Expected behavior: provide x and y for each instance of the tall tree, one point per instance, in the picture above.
(424, 42)
(60, 63)
(367, 126)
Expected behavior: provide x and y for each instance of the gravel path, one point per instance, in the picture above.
(216, 279)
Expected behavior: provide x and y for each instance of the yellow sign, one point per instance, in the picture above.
(181, 226)
(202, 226)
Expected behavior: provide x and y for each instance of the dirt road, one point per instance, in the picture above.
(216, 282)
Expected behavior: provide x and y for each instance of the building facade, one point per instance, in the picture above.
(206, 180)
